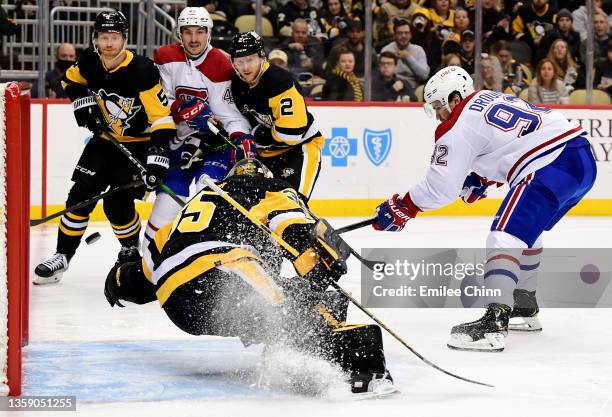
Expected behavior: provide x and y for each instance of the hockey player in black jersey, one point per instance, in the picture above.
(119, 94)
(215, 273)
(288, 139)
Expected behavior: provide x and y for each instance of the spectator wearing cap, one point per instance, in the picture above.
(354, 43)
(386, 86)
(563, 30)
(304, 52)
(279, 58)
(546, 87)
(412, 60)
(532, 21)
(298, 9)
(343, 84)
(467, 51)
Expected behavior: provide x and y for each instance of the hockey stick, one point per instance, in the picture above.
(223, 194)
(36, 222)
(143, 170)
(354, 226)
(219, 131)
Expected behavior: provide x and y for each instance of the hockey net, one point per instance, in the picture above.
(14, 234)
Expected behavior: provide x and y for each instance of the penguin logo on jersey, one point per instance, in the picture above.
(117, 110)
(264, 119)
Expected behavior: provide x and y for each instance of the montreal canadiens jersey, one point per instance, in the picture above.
(500, 137)
(130, 96)
(207, 78)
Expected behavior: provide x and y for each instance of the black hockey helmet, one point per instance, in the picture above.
(247, 43)
(250, 167)
(111, 21)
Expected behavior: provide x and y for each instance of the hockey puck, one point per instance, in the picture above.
(92, 238)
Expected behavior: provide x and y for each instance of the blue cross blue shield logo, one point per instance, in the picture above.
(377, 144)
(340, 147)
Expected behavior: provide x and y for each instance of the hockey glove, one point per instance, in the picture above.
(88, 114)
(111, 286)
(193, 112)
(157, 165)
(330, 247)
(246, 148)
(190, 157)
(393, 214)
(474, 188)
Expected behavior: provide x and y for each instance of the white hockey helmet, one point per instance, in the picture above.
(194, 16)
(445, 82)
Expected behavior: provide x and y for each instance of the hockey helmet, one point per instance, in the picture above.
(194, 16)
(250, 167)
(247, 43)
(443, 84)
(111, 21)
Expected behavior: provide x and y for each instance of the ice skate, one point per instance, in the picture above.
(51, 270)
(486, 334)
(524, 316)
(372, 385)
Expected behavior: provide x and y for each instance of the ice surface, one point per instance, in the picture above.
(133, 361)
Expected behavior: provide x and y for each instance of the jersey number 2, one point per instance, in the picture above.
(286, 106)
(507, 117)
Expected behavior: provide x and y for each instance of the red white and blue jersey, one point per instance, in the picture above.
(497, 136)
(207, 78)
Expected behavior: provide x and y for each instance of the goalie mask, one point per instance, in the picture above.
(442, 85)
(250, 167)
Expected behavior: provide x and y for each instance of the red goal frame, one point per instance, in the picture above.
(17, 117)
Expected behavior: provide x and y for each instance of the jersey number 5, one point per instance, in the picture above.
(195, 217)
(508, 117)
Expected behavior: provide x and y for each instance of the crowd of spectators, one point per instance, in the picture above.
(531, 48)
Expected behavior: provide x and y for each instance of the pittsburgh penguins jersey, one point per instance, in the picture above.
(209, 233)
(207, 78)
(131, 99)
(276, 108)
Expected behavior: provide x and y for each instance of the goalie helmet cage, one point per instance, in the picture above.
(14, 233)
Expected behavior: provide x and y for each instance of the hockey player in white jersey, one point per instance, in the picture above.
(197, 79)
(491, 138)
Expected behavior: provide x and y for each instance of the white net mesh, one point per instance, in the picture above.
(3, 261)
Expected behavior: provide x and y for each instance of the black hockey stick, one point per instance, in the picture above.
(143, 170)
(223, 194)
(354, 226)
(222, 133)
(36, 222)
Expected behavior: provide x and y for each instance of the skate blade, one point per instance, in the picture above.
(53, 279)
(525, 324)
(492, 342)
(378, 394)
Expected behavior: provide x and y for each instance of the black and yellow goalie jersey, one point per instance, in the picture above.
(275, 102)
(210, 233)
(131, 98)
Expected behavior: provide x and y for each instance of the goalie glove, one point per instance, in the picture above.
(157, 165)
(88, 114)
(474, 188)
(193, 112)
(325, 260)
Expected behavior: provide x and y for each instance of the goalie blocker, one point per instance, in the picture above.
(213, 272)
